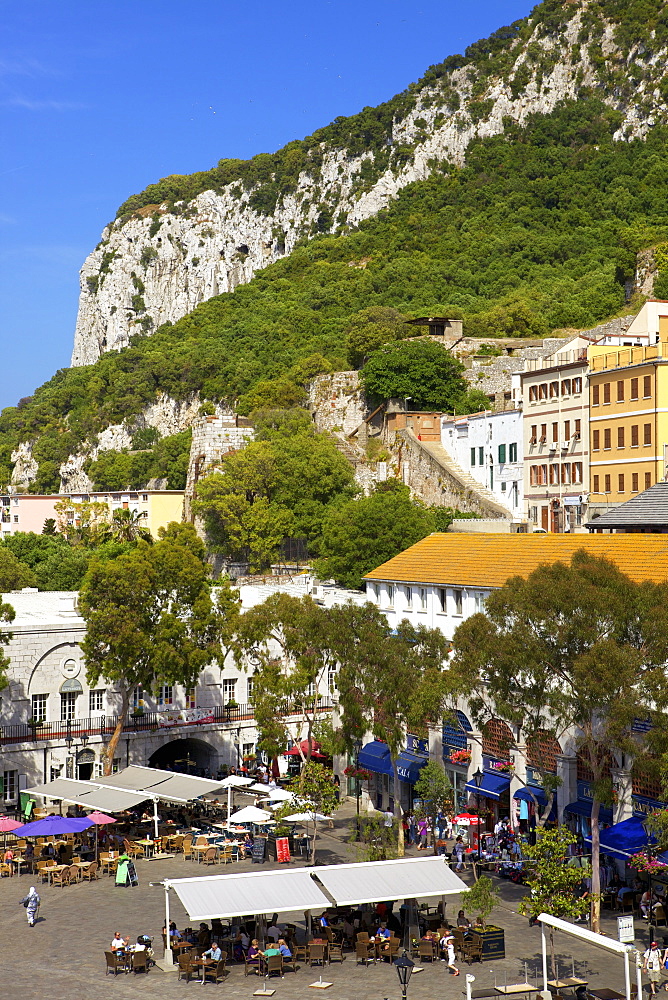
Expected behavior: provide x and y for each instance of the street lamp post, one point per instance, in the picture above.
(358, 747)
(477, 780)
(404, 968)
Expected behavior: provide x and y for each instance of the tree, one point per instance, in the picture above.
(13, 574)
(127, 526)
(553, 882)
(419, 370)
(372, 328)
(49, 526)
(81, 523)
(149, 618)
(358, 535)
(316, 792)
(390, 682)
(434, 790)
(481, 898)
(576, 649)
(7, 614)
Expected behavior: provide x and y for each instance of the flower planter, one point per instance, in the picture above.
(493, 943)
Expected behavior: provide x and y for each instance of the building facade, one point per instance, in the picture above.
(488, 445)
(27, 512)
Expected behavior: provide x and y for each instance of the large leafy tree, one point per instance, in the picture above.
(573, 649)
(149, 618)
(14, 574)
(7, 614)
(435, 793)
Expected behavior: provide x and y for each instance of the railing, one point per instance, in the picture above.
(625, 357)
(101, 725)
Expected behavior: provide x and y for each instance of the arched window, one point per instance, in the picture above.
(497, 739)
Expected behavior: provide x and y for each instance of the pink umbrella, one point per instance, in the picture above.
(99, 819)
(7, 825)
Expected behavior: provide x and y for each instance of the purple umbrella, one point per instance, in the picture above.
(53, 826)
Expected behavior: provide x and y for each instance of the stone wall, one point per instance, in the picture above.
(213, 437)
(336, 402)
(427, 478)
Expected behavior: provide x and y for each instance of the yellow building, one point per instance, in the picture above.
(628, 419)
(156, 507)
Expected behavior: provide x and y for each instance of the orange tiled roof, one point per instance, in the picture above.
(488, 560)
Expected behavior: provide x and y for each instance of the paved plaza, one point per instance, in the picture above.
(62, 957)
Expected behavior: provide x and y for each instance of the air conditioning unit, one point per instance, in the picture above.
(553, 445)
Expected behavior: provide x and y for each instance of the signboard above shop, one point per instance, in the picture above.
(414, 744)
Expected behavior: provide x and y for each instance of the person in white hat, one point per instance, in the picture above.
(447, 944)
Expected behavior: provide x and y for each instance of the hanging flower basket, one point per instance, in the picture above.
(645, 863)
(504, 766)
(357, 772)
(460, 757)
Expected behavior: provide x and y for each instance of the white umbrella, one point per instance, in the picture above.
(234, 781)
(310, 817)
(258, 786)
(250, 814)
(281, 795)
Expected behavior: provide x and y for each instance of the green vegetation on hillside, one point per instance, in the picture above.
(539, 230)
(121, 470)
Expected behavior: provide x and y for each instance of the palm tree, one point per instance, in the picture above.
(127, 526)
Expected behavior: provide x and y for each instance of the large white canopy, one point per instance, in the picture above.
(253, 892)
(250, 814)
(314, 888)
(235, 781)
(82, 793)
(131, 786)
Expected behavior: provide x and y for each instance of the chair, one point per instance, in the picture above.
(61, 878)
(290, 963)
(426, 950)
(74, 873)
(115, 963)
(251, 965)
(210, 856)
(139, 961)
(42, 870)
(298, 950)
(335, 952)
(185, 967)
(5, 869)
(225, 855)
(90, 874)
(365, 952)
(659, 915)
(274, 964)
(317, 953)
(177, 843)
(188, 853)
(473, 949)
(214, 973)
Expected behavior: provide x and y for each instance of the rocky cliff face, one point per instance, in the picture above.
(160, 262)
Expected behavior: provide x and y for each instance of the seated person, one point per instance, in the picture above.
(48, 851)
(273, 932)
(204, 936)
(217, 930)
(248, 845)
(462, 920)
(214, 953)
(240, 945)
(272, 950)
(283, 948)
(323, 920)
(384, 934)
(253, 954)
(29, 851)
(119, 943)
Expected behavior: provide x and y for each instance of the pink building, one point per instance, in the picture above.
(26, 512)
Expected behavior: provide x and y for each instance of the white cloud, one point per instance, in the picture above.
(30, 104)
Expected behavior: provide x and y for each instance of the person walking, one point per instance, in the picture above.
(458, 853)
(448, 946)
(31, 903)
(652, 966)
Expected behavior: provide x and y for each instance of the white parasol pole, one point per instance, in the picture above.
(155, 818)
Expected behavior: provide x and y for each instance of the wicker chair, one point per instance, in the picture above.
(188, 853)
(210, 856)
(273, 964)
(139, 961)
(115, 963)
(364, 952)
(214, 973)
(185, 967)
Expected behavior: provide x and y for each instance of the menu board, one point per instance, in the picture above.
(259, 848)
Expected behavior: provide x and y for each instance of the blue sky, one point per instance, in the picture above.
(97, 100)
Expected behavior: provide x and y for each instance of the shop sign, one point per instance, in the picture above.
(585, 790)
(534, 778)
(641, 804)
(185, 717)
(416, 745)
(625, 929)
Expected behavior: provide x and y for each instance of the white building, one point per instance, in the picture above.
(488, 445)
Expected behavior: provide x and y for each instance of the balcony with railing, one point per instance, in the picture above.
(623, 357)
(104, 725)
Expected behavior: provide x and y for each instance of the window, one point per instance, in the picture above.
(423, 598)
(634, 435)
(331, 679)
(443, 598)
(576, 385)
(512, 452)
(115, 765)
(648, 480)
(542, 390)
(533, 475)
(595, 395)
(607, 438)
(502, 454)
(566, 473)
(503, 487)
(634, 388)
(566, 387)
(647, 386)
(620, 391)
(390, 595)
(606, 392)
(577, 431)
(229, 689)
(166, 694)
(38, 707)
(191, 698)
(144, 497)
(96, 701)
(249, 690)
(248, 749)
(620, 437)
(408, 593)
(607, 484)
(647, 434)
(567, 430)
(534, 434)
(554, 389)
(543, 433)
(555, 433)
(634, 482)
(457, 598)
(472, 456)
(479, 599)
(10, 785)
(543, 475)
(596, 484)
(481, 456)
(620, 483)
(577, 472)
(68, 704)
(554, 475)
(138, 697)
(596, 441)
(533, 393)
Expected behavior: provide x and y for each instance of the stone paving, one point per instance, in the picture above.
(62, 957)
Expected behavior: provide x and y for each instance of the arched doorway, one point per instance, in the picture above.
(189, 756)
(85, 761)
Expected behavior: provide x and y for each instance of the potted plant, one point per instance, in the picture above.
(460, 757)
(481, 899)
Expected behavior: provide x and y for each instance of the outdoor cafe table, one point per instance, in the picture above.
(148, 845)
(517, 989)
(606, 994)
(571, 982)
(55, 870)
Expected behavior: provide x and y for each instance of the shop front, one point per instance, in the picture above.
(375, 757)
(409, 765)
(457, 757)
(491, 797)
(578, 814)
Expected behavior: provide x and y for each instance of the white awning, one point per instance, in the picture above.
(88, 795)
(376, 881)
(253, 892)
(168, 785)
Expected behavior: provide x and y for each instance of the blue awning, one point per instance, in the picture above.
(524, 793)
(624, 839)
(492, 786)
(409, 766)
(375, 757)
(583, 808)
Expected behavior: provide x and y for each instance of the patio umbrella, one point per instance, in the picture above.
(7, 825)
(306, 817)
(99, 819)
(53, 826)
(280, 795)
(233, 781)
(250, 814)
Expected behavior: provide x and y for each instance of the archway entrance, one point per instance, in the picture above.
(189, 756)
(85, 761)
